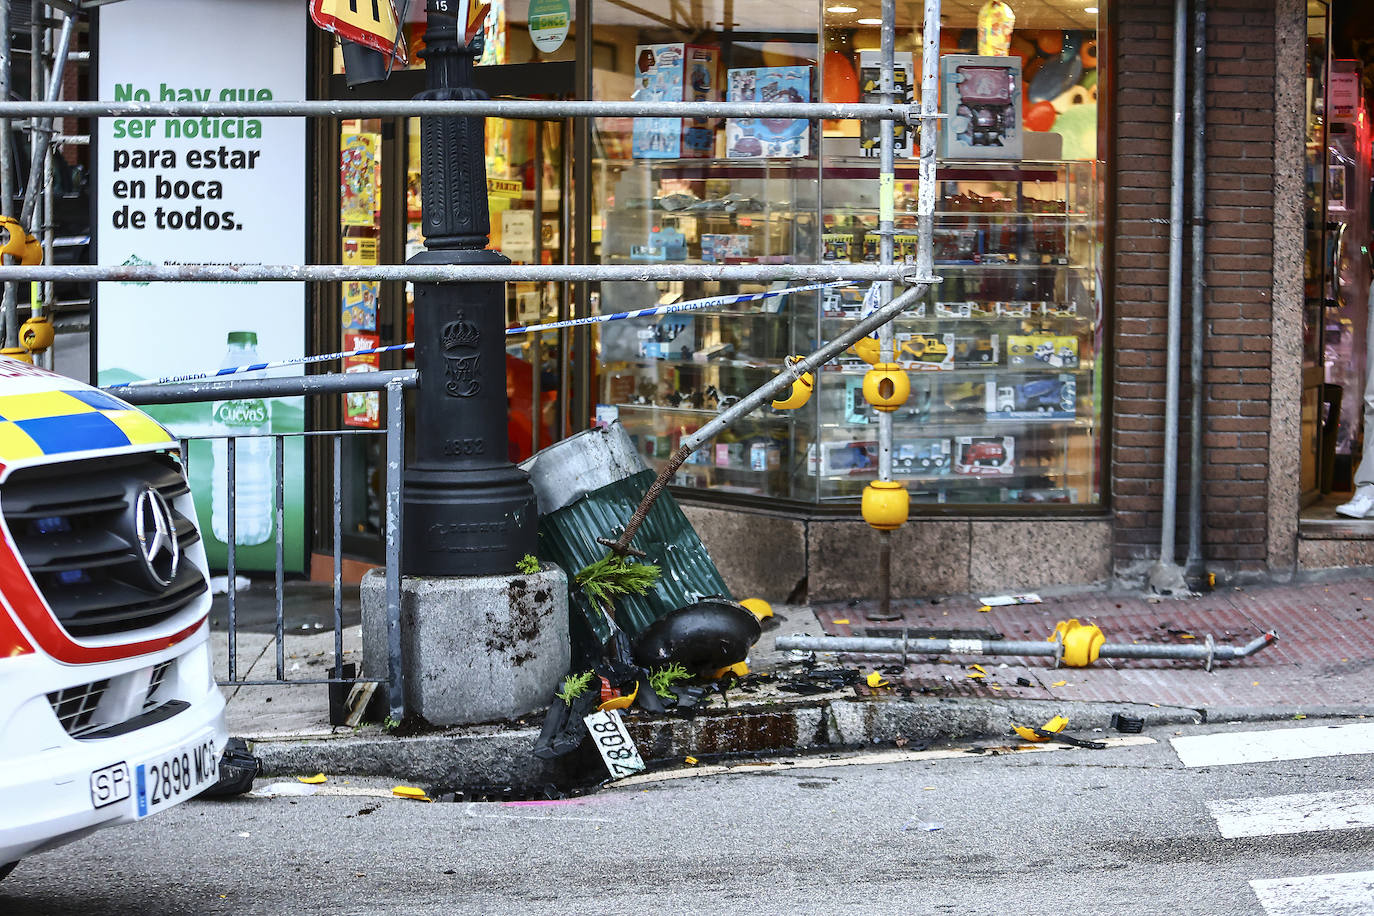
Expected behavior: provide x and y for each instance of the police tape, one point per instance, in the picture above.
(690, 305)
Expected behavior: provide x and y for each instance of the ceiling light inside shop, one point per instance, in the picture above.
(841, 9)
(1090, 9)
(869, 21)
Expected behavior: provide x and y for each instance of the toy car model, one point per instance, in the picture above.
(109, 712)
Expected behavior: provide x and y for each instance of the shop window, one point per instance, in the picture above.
(1003, 356)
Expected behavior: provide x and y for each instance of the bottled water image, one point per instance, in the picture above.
(254, 485)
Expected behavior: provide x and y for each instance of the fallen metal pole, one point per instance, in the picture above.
(449, 273)
(1206, 650)
(752, 401)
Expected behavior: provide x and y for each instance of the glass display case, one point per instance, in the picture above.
(1002, 355)
(663, 377)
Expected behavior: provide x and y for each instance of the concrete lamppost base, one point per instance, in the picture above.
(474, 648)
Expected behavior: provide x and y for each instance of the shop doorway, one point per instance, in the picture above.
(375, 166)
(1338, 264)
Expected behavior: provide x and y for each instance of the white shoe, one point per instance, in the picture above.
(1361, 506)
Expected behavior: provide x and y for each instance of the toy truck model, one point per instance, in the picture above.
(926, 349)
(1046, 395)
(985, 453)
(109, 710)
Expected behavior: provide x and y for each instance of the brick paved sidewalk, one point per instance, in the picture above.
(1324, 656)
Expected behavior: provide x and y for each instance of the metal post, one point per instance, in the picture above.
(1199, 255)
(338, 555)
(280, 510)
(1165, 576)
(395, 457)
(468, 510)
(230, 542)
(886, 230)
(10, 330)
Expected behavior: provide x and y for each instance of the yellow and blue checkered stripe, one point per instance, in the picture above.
(56, 422)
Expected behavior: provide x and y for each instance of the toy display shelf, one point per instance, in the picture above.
(763, 417)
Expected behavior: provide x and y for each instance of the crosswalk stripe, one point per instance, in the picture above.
(1276, 744)
(1349, 894)
(1302, 813)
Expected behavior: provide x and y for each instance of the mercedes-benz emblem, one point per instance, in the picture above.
(157, 536)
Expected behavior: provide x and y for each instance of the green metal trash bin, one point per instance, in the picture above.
(588, 486)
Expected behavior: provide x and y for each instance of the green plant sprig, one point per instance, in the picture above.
(611, 577)
(574, 685)
(664, 678)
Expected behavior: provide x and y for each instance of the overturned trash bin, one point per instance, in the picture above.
(588, 486)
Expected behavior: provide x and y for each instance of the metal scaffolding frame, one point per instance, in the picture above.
(889, 112)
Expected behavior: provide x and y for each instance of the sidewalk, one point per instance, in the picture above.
(1322, 665)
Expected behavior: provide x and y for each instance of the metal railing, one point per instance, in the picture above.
(392, 385)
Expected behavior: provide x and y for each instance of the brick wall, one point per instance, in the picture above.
(1240, 124)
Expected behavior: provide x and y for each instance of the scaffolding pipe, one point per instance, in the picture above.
(886, 335)
(1166, 577)
(9, 331)
(1199, 254)
(476, 108)
(1205, 650)
(42, 135)
(441, 273)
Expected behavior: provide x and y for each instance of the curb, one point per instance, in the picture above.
(493, 755)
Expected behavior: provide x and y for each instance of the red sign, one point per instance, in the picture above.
(370, 23)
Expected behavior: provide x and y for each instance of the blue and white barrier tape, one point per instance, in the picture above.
(709, 302)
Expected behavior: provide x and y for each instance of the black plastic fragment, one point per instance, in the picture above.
(237, 770)
(1128, 724)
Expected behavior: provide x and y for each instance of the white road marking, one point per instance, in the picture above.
(1349, 894)
(1302, 813)
(1277, 744)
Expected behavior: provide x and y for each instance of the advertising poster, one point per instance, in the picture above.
(360, 179)
(208, 191)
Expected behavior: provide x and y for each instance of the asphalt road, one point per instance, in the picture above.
(1125, 830)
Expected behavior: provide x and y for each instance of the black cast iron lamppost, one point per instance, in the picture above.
(467, 510)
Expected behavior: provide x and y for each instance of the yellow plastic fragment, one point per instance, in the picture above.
(985, 609)
(410, 792)
(876, 680)
(979, 668)
(1186, 636)
(842, 620)
(758, 607)
(690, 761)
(1059, 684)
(738, 669)
(1056, 725)
(620, 702)
(312, 780)
(977, 675)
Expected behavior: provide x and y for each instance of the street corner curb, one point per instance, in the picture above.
(491, 755)
(1222, 714)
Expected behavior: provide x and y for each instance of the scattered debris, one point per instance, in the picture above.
(315, 780)
(1005, 600)
(411, 792)
(1053, 730)
(875, 679)
(841, 621)
(704, 637)
(237, 770)
(1128, 724)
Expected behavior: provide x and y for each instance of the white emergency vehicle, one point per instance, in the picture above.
(109, 712)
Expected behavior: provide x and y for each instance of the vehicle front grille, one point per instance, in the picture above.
(75, 527)
(75, 706)
(155, 683)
